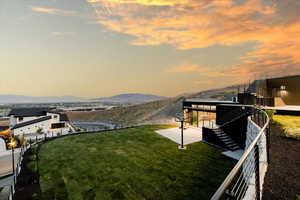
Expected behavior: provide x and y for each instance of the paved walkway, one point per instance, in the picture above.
(234, 154)
(190, 135)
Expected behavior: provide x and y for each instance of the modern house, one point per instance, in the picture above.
(273, 92)
(242, 126)
(42, 120)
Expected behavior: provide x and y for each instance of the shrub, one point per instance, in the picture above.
(40, 131)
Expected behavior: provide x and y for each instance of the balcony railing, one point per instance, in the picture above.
(245, 181)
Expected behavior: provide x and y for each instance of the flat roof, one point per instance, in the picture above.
(283, 108)
(208, 101)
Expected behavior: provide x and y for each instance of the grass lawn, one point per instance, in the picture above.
(290, 124)
(129, 164)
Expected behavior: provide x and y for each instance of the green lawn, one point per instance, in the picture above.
(129, 164)
(290, 124)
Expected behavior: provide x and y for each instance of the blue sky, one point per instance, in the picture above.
(93, 48)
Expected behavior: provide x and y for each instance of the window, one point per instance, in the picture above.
(21, 119)
(57, 125)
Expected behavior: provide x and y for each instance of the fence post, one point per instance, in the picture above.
(257, 172)
(12, 192)
(268, 135)
(229, 195)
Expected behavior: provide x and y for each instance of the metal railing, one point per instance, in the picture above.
(245, 181)
(37, 140)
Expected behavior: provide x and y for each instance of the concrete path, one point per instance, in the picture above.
(234, 154)
(6, 181)
(190, 135)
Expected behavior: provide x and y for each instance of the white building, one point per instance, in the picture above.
(34, 120)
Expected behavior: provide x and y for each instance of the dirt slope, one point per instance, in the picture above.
(155, 112)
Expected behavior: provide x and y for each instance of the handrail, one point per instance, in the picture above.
(232, 120)
(240, 163)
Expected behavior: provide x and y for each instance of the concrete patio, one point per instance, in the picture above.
(190, 135)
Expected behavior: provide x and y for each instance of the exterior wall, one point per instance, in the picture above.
(290, 96)
(15, 120)
(12, 121)
(249, 175)
(2, 145)
(45, 125)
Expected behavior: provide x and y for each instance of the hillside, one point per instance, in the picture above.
(156, 112)
(133, 98)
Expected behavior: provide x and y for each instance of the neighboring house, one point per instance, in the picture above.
(33, 120)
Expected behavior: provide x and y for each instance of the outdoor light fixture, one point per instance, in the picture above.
(180, 118)
(283, 87)
(12, 143)
(283, 92)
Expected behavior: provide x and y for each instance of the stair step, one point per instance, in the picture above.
(224, 137)
(227, 140)
(232, 145)
(234, 149)
(229, 143)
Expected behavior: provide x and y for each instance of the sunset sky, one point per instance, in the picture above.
(93, 48)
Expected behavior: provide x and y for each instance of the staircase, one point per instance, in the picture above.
(226, 140)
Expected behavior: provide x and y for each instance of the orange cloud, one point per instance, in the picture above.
(53, 11)
(202, 70)
(144, 2)
(199, 24)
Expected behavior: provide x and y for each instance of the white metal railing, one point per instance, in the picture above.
(245, 181)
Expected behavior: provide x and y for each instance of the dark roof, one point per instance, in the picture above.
(20, 125)
(28, 112)
(64, 117)
(207, 101)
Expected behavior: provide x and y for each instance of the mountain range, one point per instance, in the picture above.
(11, 99)
(133, 98)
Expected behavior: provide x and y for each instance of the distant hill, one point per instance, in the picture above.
(11, 99)
(155, 112)
(133, 98)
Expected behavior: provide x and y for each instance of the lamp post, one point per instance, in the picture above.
(180, 118)
(13, 144)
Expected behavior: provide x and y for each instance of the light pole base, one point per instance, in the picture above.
(182, 148)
